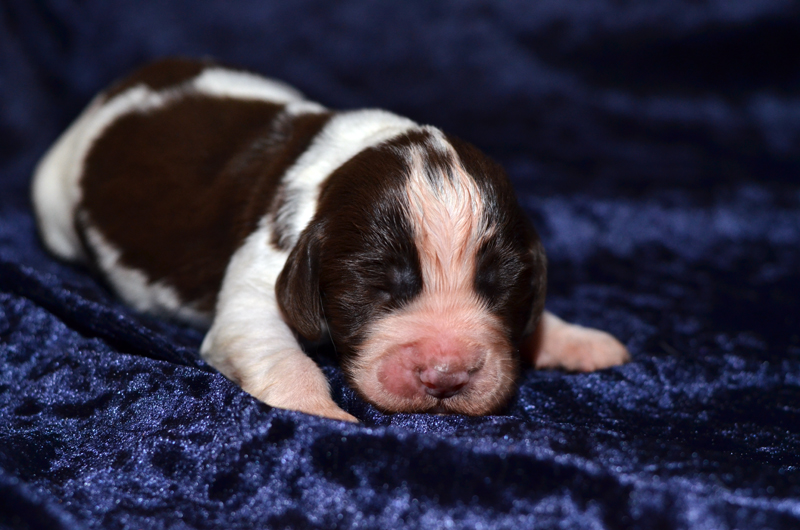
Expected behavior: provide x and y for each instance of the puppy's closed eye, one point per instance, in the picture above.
(401, 282)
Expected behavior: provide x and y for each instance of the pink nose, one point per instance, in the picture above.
(443, 383)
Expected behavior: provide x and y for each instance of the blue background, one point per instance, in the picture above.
(655, 145)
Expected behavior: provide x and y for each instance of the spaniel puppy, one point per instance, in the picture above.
(227, 200)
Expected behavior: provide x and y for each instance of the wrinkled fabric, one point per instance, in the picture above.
(656, 147)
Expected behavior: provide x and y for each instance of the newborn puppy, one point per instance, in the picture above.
(227, 200)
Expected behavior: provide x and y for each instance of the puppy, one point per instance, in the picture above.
(227, 200)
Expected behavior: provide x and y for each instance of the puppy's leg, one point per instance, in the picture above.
(557, 344)
(251, 344)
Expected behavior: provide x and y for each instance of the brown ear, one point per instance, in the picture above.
(532, 336)
(539, 282)
(298, 286)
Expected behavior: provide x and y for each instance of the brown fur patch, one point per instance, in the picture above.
(178, 188)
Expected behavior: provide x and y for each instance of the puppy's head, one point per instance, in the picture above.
(426, 272)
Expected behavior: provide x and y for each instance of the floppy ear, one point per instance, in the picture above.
(538, 283)
(298, 286)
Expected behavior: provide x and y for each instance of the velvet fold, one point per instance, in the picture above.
(656, 147)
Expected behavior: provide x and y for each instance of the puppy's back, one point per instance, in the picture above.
(157, 180)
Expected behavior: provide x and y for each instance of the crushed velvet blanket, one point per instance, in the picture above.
(655, 145)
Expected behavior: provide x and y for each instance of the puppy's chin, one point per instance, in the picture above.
(444, 357)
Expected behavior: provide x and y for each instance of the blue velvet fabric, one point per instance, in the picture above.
(656, 145)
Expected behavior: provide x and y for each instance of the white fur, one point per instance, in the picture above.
(447, 220)
(251, 343)
(344, 136)
(221, 82)
(247, 304)
(136, 289)
(295, 108)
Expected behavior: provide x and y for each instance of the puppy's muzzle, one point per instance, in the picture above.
(439, 367)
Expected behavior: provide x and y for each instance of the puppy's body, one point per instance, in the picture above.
(228, 200)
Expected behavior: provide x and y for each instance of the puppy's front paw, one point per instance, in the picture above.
(582, 349)
(321, 407)
(557, 344)
(293, 382)
(335, 413)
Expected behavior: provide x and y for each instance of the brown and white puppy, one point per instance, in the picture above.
(225, 199)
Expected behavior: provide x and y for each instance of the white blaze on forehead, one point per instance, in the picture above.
(447, 218)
